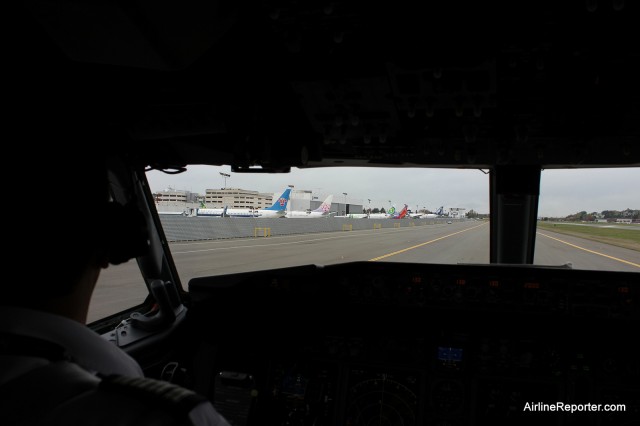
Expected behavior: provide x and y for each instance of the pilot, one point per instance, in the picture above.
(55, 370)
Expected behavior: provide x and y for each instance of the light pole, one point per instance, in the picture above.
(345, 202)
(225, 176)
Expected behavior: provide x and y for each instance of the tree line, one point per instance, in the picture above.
(609, 215)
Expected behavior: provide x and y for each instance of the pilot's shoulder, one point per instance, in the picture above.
(182, 403)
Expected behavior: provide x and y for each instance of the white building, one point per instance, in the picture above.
(176, 201)
(457, 212)
(171, 195)
(237, 198)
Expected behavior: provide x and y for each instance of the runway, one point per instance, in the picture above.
(121, 287)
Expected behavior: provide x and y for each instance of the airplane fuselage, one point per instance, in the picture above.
(240, 213)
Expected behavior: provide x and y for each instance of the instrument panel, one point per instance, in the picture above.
(398, 344)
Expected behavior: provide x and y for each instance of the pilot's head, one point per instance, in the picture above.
(60, 228)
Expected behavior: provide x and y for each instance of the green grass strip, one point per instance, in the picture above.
(604, 233)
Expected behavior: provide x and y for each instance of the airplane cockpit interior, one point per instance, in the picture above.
(439, 321)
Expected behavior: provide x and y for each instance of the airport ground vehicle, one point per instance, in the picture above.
(430, 344)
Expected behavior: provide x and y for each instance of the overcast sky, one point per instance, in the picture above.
(563, 192)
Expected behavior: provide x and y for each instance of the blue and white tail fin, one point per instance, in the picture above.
(439, 211)
(281, 203)
(325, 207)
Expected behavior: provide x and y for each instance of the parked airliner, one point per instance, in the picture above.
(401, 214)
(323, 211)
(278, 209)
(379, 215)
(438, 213)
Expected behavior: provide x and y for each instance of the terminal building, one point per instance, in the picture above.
(237, 198)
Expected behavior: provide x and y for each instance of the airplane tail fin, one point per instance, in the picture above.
(439, 211)
(325, 207)
(402, 212)
(281, 202)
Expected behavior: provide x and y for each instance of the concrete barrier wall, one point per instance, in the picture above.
(184, 228)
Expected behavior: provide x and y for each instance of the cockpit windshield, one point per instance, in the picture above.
(218, 222)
